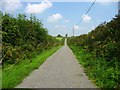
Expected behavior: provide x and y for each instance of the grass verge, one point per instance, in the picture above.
(59, 38)
(15, 75)
(104, 74)
(0, 77)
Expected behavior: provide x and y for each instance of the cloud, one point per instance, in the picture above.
(76, 27)
(86, 18)
(38, 8)
(11, 5)
(66, 21)
(93, 28)
(54, 17)
(105, 3)
(72, 0)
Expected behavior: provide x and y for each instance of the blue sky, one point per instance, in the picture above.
(60, 17)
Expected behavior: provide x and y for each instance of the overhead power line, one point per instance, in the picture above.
(84, 15)
(86, 12)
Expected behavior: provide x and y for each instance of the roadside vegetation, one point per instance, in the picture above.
(25, 45)
(0, 76)
(14, 76)
(60, 37)
(23, 37)
(99, 53)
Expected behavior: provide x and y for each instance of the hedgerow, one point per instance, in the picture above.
(103, 45)
(22, 37)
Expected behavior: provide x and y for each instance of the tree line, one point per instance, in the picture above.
(23, 37)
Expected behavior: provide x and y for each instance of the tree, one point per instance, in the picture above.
(59, 35)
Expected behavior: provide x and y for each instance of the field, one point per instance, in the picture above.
(59, 38)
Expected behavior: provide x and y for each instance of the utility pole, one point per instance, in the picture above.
(119, 8)
(73, 30)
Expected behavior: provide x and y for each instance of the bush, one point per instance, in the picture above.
(100, 53)
(22, 37)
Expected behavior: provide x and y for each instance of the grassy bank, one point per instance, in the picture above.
(15, 75)
(104, 74)
(60, 38)
(0, 77)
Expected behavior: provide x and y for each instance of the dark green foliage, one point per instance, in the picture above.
(102, 52)
(59, 35)
(22, 37)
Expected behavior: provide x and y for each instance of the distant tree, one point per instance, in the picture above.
(66, 35)
(59, 35)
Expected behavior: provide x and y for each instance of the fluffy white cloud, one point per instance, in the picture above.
(11, 5)
(66, 20)
(105, 3)
(54, 17)
(38, 8)
(76, 27)
(86, 18)
(93, 28)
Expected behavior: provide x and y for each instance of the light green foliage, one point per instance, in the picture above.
(23, 39)
(0, 77)
(60, 39)
(18, 72)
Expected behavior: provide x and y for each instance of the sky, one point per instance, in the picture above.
(61, 17)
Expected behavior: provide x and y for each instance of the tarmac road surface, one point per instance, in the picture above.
(61, 70)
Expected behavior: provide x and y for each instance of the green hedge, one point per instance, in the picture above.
(102, 46)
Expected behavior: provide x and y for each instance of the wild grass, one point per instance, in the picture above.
(59, 38)
(104, 74)
(0, 77)
(15, 75)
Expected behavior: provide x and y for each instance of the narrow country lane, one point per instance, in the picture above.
(61, 70)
